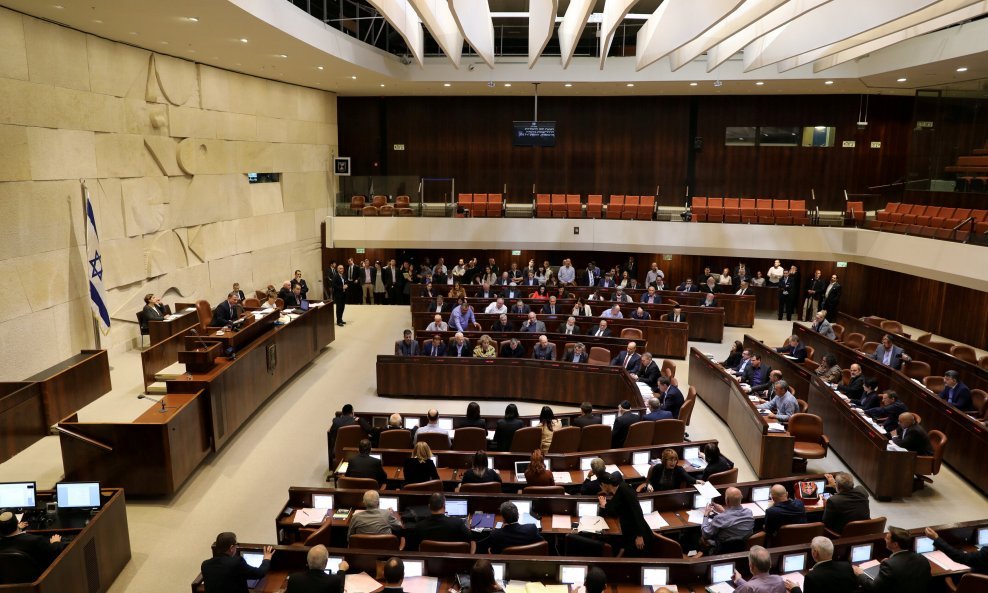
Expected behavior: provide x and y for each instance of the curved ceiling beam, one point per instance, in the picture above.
(614, 13)
(541, 20)
(793, 9)
(473, 17)
(902, 29)
(675, 23)
(843, 19)
(402, 17)
(572, 27)
(745, 15)
(439, 21)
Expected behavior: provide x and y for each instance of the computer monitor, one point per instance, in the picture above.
(322, 501)
(820, 485)
(490, 435)
(456, 507)
(700, 501)
(490, 463)
(608, 419)
(390, 503)
(304, 305)
(414, 568)
(983, 536)
(524, 506)
(520, 467)
(586, 509)
(376, 456)
(641, 458)
(721, 572)
(646, 505)
(333, 564)
(498, 570)
(435, 460)
(655, 576)
(761, 493)
(585, 463)
(253, 558)
(77, 495)
(691, 452)
(861, 553)
(923, 545)
(572, 574)
(534, 422)
(793, 563)
(445, 424)
(411, 423)
(17, 495)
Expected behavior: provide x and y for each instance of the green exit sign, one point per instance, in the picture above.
(516, 252)
(360, 250)
(842, 264)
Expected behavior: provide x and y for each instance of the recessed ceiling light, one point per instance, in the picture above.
(693, 84)
(507, 84)
(58, 6)
(828, 82)
(192, 51)
(133, 33)
(567, 85)
(900, 80)
(192, 19)
(447, 84)
(759, 83)
(382, 85)
(630, 84)
(98, 21)
(164, 43)
(962, 69)
(282, 56)
(243, 40)
(319, 68)
(353, 78)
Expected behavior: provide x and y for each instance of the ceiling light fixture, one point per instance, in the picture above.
(192, 19)
(507, 84)
(828, 82)
(630, 84)
(58, 6)
(353, 78)
(243, 40)
(693, 84)
(900, 80)
(133, 33)
(319, 68)
(282, 56)
(447, 84)
(98, 21)
(962, 69)
(567, 85)
(164, 43)
(382, 85)
(759, 83)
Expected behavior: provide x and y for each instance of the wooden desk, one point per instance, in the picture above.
(770, 454)
(95, 557)
(504, 378)
(528, 340)
(967, 438)
(161, 330)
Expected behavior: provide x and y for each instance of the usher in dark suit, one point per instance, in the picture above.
(827, 576)
(363, 465)
(513, 534)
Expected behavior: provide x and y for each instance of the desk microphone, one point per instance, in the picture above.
(160, 401)
(203, 343)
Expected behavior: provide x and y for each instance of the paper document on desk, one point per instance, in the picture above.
(944, 561)
(893, 447)
(361, 583)
(642, 468)
(611, 468)
(790, 357)
(669, 587)
(561, 478)
(776, 427)
(756, 511)
(561, 522)
(707, 490)
(420, 585)
(592, 524)
(315, 304)
(655, 520)
(695, 516)
(188, 309)
(556, 588)
(795, 577)
(529, 587)
(306, 517)
(341, 469)
(721, 588)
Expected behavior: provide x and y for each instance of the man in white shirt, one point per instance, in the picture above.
(567, 273)
(437, 325)
(432, 426)
(613, 313)
(653, 274)
(775, 274)
(497, 306)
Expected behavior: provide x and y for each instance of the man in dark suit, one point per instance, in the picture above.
(520, 308)
(629, 359)
(362, 465)
(511, 534)
(43, 550)
(955, 392)
(848, 503)
(240, 293)
(486, 292)
(513, 349)
(339, 294)
(793, 348)
(784, 511)
(285, 292)
(353, 281)
(586, 417)
(551, 308)
(688, 286)
(459, 346)
(437, 526)
(434, 347)
(623, 504)
(346, 418)
(889, 354)
(648, 372)
(655, 411)
(855, 387)
(889, 410)
(977, 560)
(227, 571)
(625, 418)
(153, 309)
(294, 297)
(591, 277)
(831, 299)
(651, 297)
(503, 324)
(870, 397)
(756, 373)
(911, 436)
(315, 579)
(577, 354)
(672, 397)
(226, 312)
(600, 329)
(787, 295)
(389, 276)
(677, 314)
(569, 328)
(904, 571)
(827, 574)
(438, 306)
(407, 346)
(814, 293)
(394, 574)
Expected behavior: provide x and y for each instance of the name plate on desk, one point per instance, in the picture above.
(201, 359)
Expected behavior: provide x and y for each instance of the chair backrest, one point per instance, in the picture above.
(640, 434)
(18, 567)
(972, 583)
(803, 406)
(864, 527)
(488, 487)
(983, 362)
(965, 353)
(252, 303)
(543, 490)
(668, 368)
(663, 547)
(725, 477)
(924, 338)
(377, 541)
(428, 486)
(916, 369)
(357, 483)
(320, 536)
(386, 210)
(379, 200)
(526, 439)
(402, 201)
(142, 323)
(667, 431)
(437, 441)
(566, 440)
(369, 211)
(938, 441)
(756, 539)
(599, 355)
(941, 346)
(791, 535)
(806, 427)
(686, 411)
(810, 351)
(934, 383)
(854, 340)
(357, 202)
(396, 438)
(891, 326)
(431, 545)
(979, 399)
(347, 436)
(205, 313)
(470, 438)
(632, 333)
(537, 549)
(869, 347)
(595, 437)
(838, 331)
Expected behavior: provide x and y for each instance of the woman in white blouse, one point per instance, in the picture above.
(725, 277)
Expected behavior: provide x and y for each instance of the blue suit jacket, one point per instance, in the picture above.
(961, 396)
(633, 366)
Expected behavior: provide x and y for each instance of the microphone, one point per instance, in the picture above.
(160, 401)
(203, 343)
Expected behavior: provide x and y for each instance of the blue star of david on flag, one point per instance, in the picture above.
(97, 292)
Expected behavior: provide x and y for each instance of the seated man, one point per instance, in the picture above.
(226, 312)
(756, 374)
(688, 286)
(855, 387)
(761, 581)
(677, 314)
(42, 550)
(285, 293)
(394, 423)
(513, 349)
(503, 324)
(346, 418)
(362, 465)
(648, 372)
(434, 347)
(848, 502)
(888, 412)
(570, 328)
(600, 330)
(822, 326)
(373, 520)
(587, 417)
(904, 570)
(827, 574)
(793, 349)
(641, 314)
(462, 318)
(911, 436)
(743, 289)
(955, 392)
(621, 297)
(317, 578)
(577, 354)
(613, 313)
(784, 511)
(709, 300)
(497, 306)
(407, 346)
(889, 355)
(438, 306)
(652, 297)
(459, 346)
(486, 292)
(655, 411)
(432, 426)
(672, 397)
(977, 560)
(544, 350)
(227, 570)
(532, 324)
(437, 526)
(551, 308)
(437, 325)
(520, 308)
(511, 534)
(782, 405)
(725, 528)
(629, 359)
(294, 297)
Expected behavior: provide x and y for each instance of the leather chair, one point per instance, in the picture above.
(869, 348)
(632, 333)
(566, 440)
(18, 567)
(437, 441)
(205, 313)
(893, 327)
(929, 465)
(596, 437)
(365, 484)
(916, 369)
(429, 486)
(792, 535)
(965, 353)
(537, 549)
(640, 434)
(379, 201)
(983, 362)
(431, 545)
(979, 398)
(395, 438)
(357, 203)
(543, 490)
(668, 368)
(874, 526)
(854, 340)
(660, 546)
(668, 431)
(527, 439)
(576, 544)
(318, 536)
(252, 303)
(346, 437)
(755, 539)
(142, 325)
(941, 346)
(934, 383)
(686, 412)
(924, 338)
(803, 406)
(725, 477)
(484, 487)
(369, 211)
(810, 442)
(386, 210)
(599, 356)
(810, 351)
(838, 331)
(364, 541)
(969, 583)
(469, 438)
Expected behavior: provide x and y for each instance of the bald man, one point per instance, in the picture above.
(911, 436)
(726, 527)
(784, 511)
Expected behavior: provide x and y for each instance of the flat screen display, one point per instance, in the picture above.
(572, 575)
(77, 495)
(760, 493)
(640, 458)
(390, 503)
(861, 553)
(586, 509)
(534, 133)
(17, 495)
(655, 576)
(793, 563)
(721, 573)
(322, 501)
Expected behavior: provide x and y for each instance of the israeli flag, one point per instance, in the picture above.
(97, 293)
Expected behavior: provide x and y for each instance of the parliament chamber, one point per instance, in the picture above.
(696, 165)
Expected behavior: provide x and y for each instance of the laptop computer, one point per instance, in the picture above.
(414, 568)
(761, 493)
(982, 537)
(793, 563)
(572, 574)
(722, 572)
(586, 509)
(322, 501)
(390, 503)
(456, 507)
(525, 512)
(304, 305)
(585, 463)
(655, 576)
(692, 457)
(445, 423)
(254, 559)
(641, 458)
(520, 467)
(411, 423)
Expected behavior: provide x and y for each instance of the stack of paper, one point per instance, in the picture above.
(655, 520)
(420, 585)
(561, 521)
(694, 516)
(561, 478)
(795, 577)
(533, 587)
(945, 562)
(718, 588)
(642, 468)
(776, 427)
(343, 467)
(707, 489)
(360, 583)
(310, 516)
(592, 524)
(893, 447)
(669, 587)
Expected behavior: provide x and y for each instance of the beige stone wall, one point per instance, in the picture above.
(164, 146)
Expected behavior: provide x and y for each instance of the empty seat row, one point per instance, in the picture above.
(481, 205)
(750, 211)
(618, 207)
(379, 206)
(936, 222)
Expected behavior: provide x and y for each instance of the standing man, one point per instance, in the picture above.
(298, 280)
(787, 295)
(368, 275)
(814, 292)
(623, 503)
(340, 287)
(831, 299)
(227, 570)
(567, 273)
(390, 277)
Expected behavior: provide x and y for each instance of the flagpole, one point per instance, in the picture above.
(85, 199)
